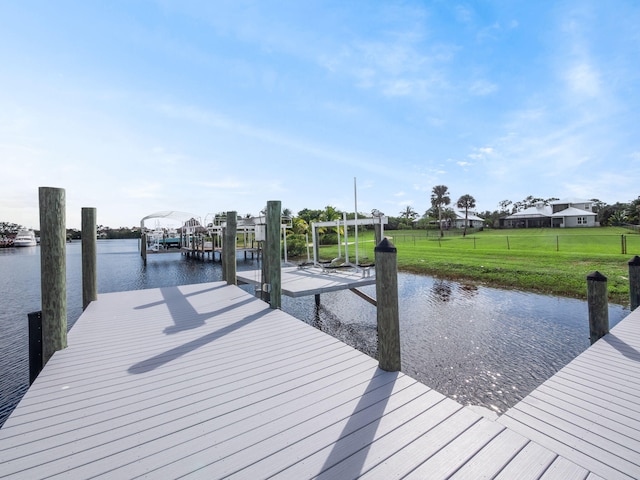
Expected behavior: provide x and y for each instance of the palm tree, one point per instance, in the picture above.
(618, 218)
(300, 226)
(330, 213)
(409, 214)
(465, 202)
(439, 199)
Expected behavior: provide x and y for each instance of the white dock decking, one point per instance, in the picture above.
(300, 282)
(205, 381)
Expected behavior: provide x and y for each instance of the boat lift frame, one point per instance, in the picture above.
(373, 220)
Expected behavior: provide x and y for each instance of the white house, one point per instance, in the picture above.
(569, 212)
(473, 221)
(573, 212)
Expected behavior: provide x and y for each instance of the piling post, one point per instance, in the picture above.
(229, 249)
(389, 357)
(53, 270)
(143, 247)
(377, 232)
(35, 345)
(598, 306)
(634, 283)
(271, 255)
(89, 257)
(315, 241)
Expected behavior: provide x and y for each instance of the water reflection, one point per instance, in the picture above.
(467, 290)
(360, 335)
(441, 290)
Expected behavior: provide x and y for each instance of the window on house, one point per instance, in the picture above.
(582, 220)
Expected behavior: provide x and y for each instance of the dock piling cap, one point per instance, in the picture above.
(596, 277)
(635, 261)
(385, 246)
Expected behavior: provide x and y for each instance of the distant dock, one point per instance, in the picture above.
(195, 240)
(207, 381)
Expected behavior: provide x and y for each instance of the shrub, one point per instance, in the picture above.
(296, 245)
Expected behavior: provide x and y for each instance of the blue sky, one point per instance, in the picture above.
(207, 106)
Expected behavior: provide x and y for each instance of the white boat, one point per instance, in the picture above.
(25, 238)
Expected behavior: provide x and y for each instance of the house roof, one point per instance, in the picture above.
(546, 211)
(542, 211)
(573, 212)
(569, 201)
(471, 216)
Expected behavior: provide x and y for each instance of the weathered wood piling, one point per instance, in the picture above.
(389, 357)
(228, 255)
(143, 247)
(272, 289)
(89, 257)
(598, 304)
(53, 277)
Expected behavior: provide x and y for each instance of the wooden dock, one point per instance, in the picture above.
(205, 381)
(301, 282)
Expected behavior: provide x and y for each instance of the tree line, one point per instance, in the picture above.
(9, 229)
(436, 215)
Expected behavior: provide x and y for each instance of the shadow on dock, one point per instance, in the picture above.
(360, 430)
(623, 347)
(187, 318)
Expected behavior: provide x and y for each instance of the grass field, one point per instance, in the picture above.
(553, 261)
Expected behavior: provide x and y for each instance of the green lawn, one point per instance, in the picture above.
(554, 261)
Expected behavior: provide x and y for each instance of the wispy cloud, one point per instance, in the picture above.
(144, 189)
(209, 118)
(583, 79)
(482, 87)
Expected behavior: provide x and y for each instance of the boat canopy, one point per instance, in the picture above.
(171, 214)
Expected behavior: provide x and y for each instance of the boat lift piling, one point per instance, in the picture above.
(89, 257)
(229, 248)
(271, 258)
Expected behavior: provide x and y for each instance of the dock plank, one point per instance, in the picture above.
(563, 468)
(387, 443)
(412, 455)
(493, 457)
(530, 463)
(459, 451)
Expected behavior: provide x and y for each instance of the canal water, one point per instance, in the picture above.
(478, 345)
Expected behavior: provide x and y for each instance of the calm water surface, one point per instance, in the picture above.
(478, 345)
